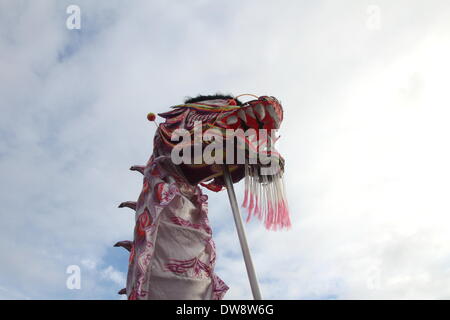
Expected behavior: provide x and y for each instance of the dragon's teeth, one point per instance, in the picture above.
(260, 113)
(232, 120)
(271, 110)
(241, 115)
(250, 113)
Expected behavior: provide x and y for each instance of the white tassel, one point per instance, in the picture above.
(265, 198)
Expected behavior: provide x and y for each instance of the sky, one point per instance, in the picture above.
(364, 86)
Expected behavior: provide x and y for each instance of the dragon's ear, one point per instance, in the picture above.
(232, 102)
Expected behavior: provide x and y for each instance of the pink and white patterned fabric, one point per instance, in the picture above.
(173, 253)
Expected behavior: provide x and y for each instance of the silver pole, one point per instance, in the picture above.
(241, 234)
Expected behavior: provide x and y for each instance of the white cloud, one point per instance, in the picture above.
(89, 264)
(113, 275)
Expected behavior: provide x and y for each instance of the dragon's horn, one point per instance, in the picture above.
(126, 244)
(128, 204)
(138, 168)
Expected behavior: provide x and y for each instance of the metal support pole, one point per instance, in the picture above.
(241, 234)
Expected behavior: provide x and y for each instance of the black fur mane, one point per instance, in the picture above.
(211, 97)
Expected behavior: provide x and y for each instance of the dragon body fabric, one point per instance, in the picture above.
(172, 255)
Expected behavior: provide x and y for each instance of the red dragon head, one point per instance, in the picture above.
(237, 134)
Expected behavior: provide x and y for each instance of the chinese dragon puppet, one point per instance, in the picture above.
(172, 255)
